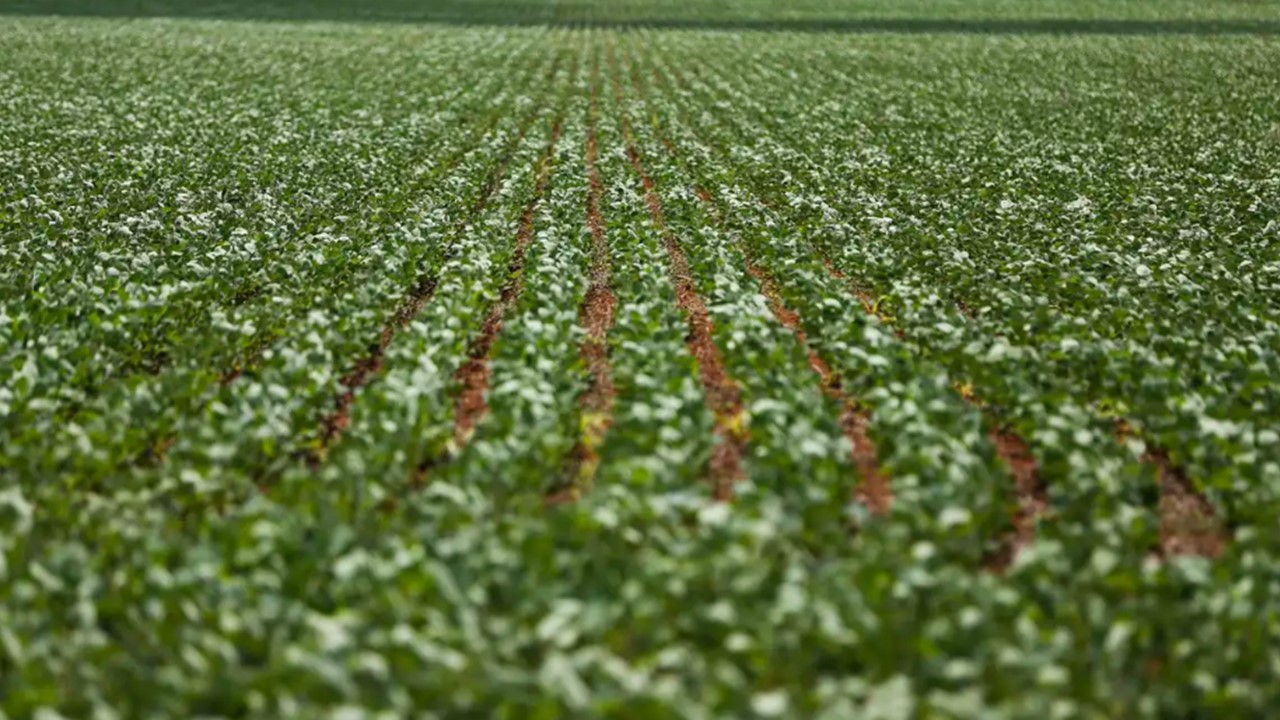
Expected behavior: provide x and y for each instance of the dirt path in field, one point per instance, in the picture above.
(596, 316)
(719, 389)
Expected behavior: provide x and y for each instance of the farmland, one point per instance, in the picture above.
(639, 360)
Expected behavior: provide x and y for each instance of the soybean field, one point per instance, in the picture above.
(527, 359)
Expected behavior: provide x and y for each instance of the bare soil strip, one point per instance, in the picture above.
(874, 492)
(1013, 451)
(333, 424)
(596, 316)
(719, 389)
(336, 421)
(1029, 492)
(253, 355)
(1188, 523)
(474, 374)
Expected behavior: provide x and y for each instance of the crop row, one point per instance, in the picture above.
(548, 372)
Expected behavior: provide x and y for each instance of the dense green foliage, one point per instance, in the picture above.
(255, 276)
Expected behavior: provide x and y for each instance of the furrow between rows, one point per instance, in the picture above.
(473, 376)
(875, 490)
(596, 316)
(1012, 449)
(721, 391)
(1189, 523)
(856, 425)
(334, 423)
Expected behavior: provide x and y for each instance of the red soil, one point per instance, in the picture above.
(1188, 523)
(474, 375)
(596, 316)
(720, 391)
(336, 421)
(874, 492)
